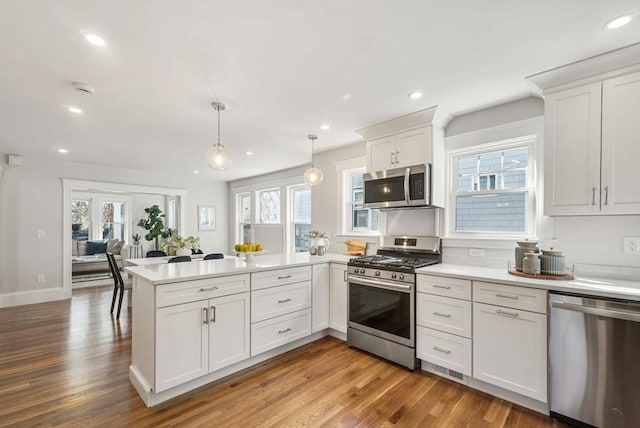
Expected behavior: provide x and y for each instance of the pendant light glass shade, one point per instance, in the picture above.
(313, 175)
(218, 157)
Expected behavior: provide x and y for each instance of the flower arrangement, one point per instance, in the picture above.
(177, 243)
(317, 234)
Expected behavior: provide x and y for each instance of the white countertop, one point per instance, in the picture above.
(160, 272)
(613, 288)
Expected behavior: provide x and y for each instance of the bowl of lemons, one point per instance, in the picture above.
(248, 250)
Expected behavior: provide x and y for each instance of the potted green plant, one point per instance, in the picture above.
(136, 238)
(180, 246)
(154, 223)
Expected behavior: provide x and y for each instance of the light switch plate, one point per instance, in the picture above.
(40, 278)
(41, 234)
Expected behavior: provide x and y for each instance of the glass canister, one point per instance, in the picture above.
(523, 247)
(531, 263)
(552, 262)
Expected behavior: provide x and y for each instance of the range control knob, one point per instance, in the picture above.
(377, 273)
(393, 276)
(362, 271)
(401, 276)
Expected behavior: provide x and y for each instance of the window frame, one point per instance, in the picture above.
(291, 223)
(532, 191)
(346, 170)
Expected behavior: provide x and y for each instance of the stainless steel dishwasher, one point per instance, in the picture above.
(594, 361)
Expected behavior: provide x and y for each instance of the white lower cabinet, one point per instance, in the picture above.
(338, 314)
(270, 334)
(510, 349)
(193, 339)
(443, 349)
(320, 299)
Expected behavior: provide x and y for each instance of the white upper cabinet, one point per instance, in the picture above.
(592, 135)
(401, 150)
(413, 139)
(621, 145)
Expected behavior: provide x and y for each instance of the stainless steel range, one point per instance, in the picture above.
(381, 296)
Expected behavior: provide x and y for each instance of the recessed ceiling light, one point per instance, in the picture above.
(63, 151)
(195, 171)
(75, 110)
(346, 97)
(618, 22)
(325, 127)
(94, 39)
(415, 95)
(248, 153)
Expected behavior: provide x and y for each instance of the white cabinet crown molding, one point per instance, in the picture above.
(429, 116)
(606, 65)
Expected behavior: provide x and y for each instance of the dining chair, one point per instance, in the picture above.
(213, 256)
(198, 251)
(156, 253)
(179, 259)
(118, 283)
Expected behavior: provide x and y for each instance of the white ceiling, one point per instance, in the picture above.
(282, 68)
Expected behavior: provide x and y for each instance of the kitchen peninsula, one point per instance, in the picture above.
(194, 323)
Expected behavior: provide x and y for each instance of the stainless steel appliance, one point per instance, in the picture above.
(381, 297)
(400, 187)
(594, 349)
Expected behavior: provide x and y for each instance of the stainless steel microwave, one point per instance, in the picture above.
(399, 187)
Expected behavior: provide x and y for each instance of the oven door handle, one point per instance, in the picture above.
(381, 283)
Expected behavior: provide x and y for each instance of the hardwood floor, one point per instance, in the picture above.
(66, 363)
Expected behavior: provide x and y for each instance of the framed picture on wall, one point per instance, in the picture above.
(206, 218)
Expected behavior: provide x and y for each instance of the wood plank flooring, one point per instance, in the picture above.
(66, 364)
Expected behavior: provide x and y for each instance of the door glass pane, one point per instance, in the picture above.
(80, 222)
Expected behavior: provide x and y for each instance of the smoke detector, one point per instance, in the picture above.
(83, 87)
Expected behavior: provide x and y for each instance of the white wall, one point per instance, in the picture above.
(31, 200)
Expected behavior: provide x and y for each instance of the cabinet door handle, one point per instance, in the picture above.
(288, 299)
(284, 331)
(444, 351)
(593, 196)
(209, 288)
(206, 316)
(284, 277)
(506, 296)
(345, 276)
(606, 195)
(511, 314)
(445, 287)
(440, 314)
(397, 153)
(392, 161)
(213, 314)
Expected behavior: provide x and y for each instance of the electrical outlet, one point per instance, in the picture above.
(476, 252)
(40, 278)
(41, 234)
(632, 245)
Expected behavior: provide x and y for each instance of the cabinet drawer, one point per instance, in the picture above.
(510, 296)
(444, 314)
(270, 334)
(443, 286)
(444, 349)
(190, 291)
(275, 301)
(273, 278)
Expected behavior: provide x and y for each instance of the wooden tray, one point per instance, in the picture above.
(566, 276)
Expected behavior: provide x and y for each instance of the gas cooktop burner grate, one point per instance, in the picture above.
(388, 261)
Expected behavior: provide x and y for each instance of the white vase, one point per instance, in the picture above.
(183, 252)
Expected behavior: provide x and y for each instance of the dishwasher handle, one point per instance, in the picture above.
(630, 315)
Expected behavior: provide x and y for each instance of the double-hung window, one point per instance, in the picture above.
(300, 199)
(357, 219)
(492, 189)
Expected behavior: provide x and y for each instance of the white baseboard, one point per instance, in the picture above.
(30, 297)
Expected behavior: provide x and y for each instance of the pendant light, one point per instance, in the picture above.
(218, 157)
(313, 175)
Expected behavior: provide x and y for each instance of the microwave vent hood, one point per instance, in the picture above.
(408, 187)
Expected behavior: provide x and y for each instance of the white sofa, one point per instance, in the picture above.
(84, 258)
